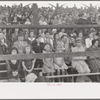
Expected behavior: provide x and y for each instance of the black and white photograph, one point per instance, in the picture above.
(50, 41)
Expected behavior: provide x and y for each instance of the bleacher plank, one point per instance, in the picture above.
(72, 75)
(49, 26)
(49, 55)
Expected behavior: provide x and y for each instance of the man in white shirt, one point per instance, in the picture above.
(88, 41)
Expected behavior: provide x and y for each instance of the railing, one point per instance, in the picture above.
(49, 26)
(52, 55)
(49, 55)
(72, 76)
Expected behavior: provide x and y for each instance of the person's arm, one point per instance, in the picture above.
(33, 63)
(44, 61)
(23, 63)
(87, 43)
(8, 67)
(19, 66)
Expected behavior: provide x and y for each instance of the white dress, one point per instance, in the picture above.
(59, 63)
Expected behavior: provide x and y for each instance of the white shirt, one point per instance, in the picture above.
(31, 39)
(42, 22)
(88, 42)
(27, 23)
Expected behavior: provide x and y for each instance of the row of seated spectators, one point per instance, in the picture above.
(19, 14)
(29, 41)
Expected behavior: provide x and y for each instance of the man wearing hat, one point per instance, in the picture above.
(94, 31)
(81, 19)
(20, 44)
(91, 19)
(78, 62)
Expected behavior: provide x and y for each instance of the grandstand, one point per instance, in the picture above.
(34, 44)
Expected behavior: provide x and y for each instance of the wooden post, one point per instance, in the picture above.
(35, 16)
(35, 13)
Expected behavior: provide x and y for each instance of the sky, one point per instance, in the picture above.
(46, 3)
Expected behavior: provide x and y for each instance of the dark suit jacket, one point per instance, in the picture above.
(37, 48)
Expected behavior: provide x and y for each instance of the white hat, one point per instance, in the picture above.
(30, 77)
(54, 30)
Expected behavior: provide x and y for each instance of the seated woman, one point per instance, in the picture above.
(79, 62)
(48, 64)
(28, 64)
(14, 67)
(59, 63)
(94, 62)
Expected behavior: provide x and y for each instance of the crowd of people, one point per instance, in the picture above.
(30, 41)
(19, 14)
(25, 41)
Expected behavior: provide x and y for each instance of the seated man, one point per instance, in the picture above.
(20, 44)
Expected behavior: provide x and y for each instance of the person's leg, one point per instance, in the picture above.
(22, 74)
(77, 65)
(63, 73)
(79, 68)
(38, 64)
(85, 67)
(58, 73)
(48, 73)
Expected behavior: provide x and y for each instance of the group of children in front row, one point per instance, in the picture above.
(24, 69)
(20, 70)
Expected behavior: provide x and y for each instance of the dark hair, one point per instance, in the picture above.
(48, 44)
(26, 47)
(13, 48)
(55, 36)
(62, 28)
(63, 36)
(47, 32)
(80, 32)
(94, 41)
(30, 32)
(38, 36)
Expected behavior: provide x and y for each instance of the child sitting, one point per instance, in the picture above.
(28, 65)
(14, 67)
(59, 63)
(48, 65)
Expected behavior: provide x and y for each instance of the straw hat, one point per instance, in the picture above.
(30, 77)
(92, 30)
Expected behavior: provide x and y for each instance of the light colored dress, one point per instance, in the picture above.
(20, 45)
(78, 62)
(59, 63)
(48, 65)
